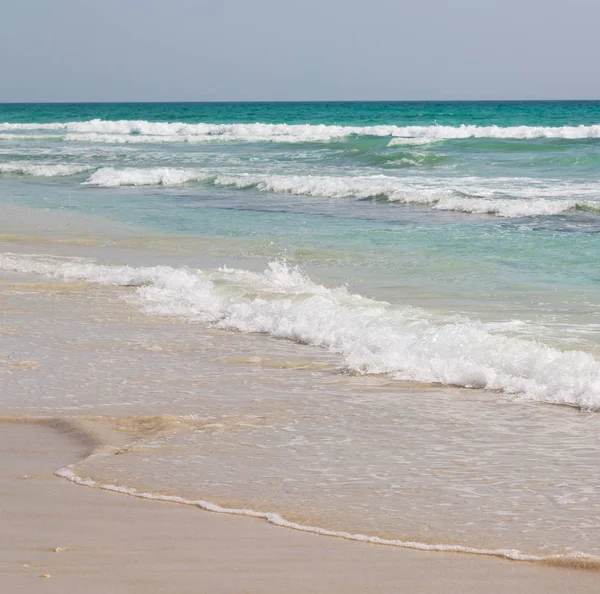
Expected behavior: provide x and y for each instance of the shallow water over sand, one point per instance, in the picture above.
(248, 421)
(374, 318)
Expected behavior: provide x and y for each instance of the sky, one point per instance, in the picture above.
(277, 50)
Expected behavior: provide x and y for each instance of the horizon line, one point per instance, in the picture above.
(296, 101)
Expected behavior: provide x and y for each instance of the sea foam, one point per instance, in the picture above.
(526, 199)
(372, 337)
(571, 558)
(110, 177)
(143, 131)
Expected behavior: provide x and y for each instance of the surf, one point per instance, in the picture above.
(373, 337)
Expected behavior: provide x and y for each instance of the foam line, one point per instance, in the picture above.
(278, 520)
(136, 130)
(522, 201)
(372, 337)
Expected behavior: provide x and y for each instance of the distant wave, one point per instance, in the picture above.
(469, 195)
(372, 336)
(144, 131)
(522, 203)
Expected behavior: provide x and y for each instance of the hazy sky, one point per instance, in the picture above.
(196, 50)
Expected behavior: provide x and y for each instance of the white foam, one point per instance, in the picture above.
(371, 336)
(40, 137)
(41, 170)
(278, 520)
(109, 177)
(144, 131)
(410, 141)
(510, 208)
(524, 200)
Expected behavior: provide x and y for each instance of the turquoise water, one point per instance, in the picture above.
(452, 113)
(392, 297)
(485, 208)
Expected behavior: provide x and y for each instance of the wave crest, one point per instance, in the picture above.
(143, 131)
(372, 336)
(388, 188)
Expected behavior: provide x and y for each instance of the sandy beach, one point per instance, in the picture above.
(59, 537)
(362, 364)
(299, 298)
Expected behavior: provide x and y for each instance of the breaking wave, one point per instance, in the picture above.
(109, 177)
(373, 337)
(143, 131)
(520, 202)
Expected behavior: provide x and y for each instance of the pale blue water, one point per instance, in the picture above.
(473, 230)
(505, 220)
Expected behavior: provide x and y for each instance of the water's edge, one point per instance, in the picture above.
(102, 441)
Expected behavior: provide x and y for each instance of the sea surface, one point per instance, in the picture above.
(374, 320)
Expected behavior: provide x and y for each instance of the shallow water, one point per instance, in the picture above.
(356, 332)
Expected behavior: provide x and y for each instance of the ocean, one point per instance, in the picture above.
(378, 320)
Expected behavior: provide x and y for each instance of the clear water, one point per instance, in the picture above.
(432, 269)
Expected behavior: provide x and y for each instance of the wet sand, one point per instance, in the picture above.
(106, 542)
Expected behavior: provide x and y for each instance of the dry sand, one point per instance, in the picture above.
(93, 541)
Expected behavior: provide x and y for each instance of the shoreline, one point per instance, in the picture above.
(69, 534)
(55, 303)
